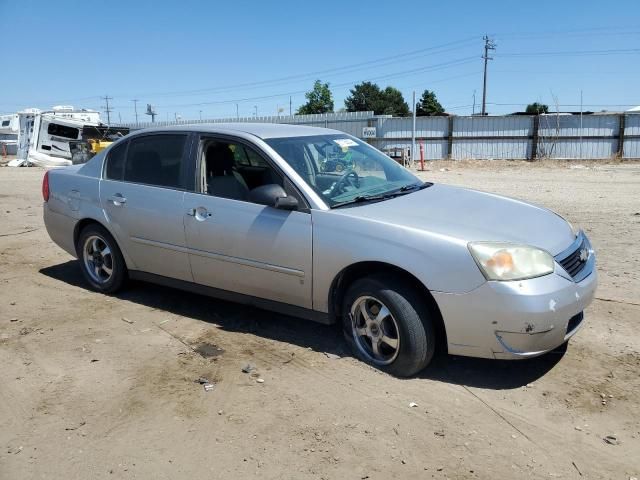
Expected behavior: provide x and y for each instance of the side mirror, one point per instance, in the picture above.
(273, 195)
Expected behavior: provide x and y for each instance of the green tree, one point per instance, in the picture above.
(536, 108)
(428, 105)
(319, 100)
(365, 97)
(368, 96)
(393, 103)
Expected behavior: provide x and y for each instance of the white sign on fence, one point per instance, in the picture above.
(368, 132)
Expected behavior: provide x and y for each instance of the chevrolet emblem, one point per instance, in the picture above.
(584, 254)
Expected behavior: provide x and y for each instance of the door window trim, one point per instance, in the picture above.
(288, 185)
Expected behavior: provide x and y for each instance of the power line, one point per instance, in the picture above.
(434, 50)
(435, 67)
(614, 51)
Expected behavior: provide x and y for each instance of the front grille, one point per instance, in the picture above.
(576, 260)
(574, 322)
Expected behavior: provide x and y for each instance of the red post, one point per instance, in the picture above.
(421, 157)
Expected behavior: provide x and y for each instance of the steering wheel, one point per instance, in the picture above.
(348, 179)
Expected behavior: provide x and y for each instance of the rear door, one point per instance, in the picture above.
(142, 195)
(243, 247)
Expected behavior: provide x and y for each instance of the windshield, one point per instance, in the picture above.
(342, 169)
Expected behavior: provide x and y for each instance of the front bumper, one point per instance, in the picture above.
(518, 319)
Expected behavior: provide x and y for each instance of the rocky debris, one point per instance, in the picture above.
(332, 356)
(206, 384)
(81, 424)
(248, 368)
(125, 319)
(260, 380)
(413, 404)
(611, 440)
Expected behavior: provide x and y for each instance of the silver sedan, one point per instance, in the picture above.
(317, 224)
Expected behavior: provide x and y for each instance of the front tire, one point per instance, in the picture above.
(101, 261)
(388, 324)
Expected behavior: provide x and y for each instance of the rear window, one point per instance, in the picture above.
(115, 162)
(156, 160)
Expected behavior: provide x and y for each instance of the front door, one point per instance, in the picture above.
(243, 247)
(142, 196)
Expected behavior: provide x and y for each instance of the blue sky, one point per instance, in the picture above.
(201, 58)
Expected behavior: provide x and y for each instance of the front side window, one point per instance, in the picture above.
(342, 169)
(5, 123)
(156, 160)
(62, 131)
(232, 170)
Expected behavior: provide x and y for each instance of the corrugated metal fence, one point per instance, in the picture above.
(591, 136)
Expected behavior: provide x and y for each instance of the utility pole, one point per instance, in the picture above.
(488, 45)
(107, 110)
(255, 113)
(135, 108)
(290, 106)
(237, 112)
(200, 113)
(473, 112)
(413, 131)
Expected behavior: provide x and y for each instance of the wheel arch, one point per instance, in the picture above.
(83, 223)
(351, 273)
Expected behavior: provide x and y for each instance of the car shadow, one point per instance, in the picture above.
(235, 317)
(490, 373)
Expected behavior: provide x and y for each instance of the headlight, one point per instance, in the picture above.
(506, 261)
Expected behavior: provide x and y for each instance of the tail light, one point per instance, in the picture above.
(45, 187)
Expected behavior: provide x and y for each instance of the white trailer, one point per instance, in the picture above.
(44, 136)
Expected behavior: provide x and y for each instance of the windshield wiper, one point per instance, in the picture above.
(363, 198)
(377, 198)
(415, 186)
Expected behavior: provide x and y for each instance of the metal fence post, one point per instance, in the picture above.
(621, 121)
(534, 137)
(450, 139)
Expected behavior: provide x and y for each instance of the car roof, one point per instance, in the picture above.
(261, 130)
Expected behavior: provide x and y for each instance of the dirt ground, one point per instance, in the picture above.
(93, 386)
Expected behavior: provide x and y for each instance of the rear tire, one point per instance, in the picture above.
(388, 324)
(101, 261)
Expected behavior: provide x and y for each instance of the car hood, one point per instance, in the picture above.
(470, 215)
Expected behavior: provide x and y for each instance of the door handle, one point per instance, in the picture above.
(199, 213)
(117, 199)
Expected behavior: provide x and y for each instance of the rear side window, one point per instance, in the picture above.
(115, 162)
(156, 160)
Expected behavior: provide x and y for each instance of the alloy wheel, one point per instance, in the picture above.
(98, 259)
(375, 330)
